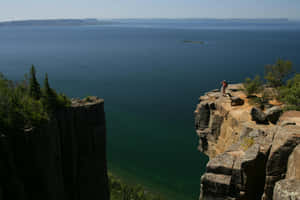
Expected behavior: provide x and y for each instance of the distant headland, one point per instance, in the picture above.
(56, 22)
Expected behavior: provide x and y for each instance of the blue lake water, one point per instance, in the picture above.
(150, 80)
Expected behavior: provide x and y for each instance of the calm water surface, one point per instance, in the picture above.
(150, 80)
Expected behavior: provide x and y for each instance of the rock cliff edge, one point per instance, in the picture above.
(64, 159)
(249, 160)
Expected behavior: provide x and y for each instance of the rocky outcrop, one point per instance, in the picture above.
(248, 160)
(293, 171)
(287, 189)
(64, 159)
(271, 115)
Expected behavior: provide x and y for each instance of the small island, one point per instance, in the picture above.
(193, 41)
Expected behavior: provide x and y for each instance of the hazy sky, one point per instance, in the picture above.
(40, 9)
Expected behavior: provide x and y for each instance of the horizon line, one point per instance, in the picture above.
(148, 18)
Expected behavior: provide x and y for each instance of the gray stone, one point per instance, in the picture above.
(253, 168)
(217, 185)
(293, 167)
(273, 114)
(287, 189)
(284, 143)
(256, 133)
(245, 130)
(221, 164)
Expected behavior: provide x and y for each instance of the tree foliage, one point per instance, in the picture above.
(52, 101)
(34, 86)
(122, 191)
(252, 86)
(23, 105)
(290, 93)
(275, 74)
(277, 87)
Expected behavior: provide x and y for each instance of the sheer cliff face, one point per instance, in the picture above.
(248, 161)
(62, 160)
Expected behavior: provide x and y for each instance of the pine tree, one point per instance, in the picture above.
(277, 73)
(50, 97)
(34, 86)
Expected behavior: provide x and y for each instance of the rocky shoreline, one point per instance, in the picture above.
(253, 154)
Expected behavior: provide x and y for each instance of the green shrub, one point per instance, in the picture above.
(122, 191)
(275, 74)
(51, 100)
(252, 87)
(290, 93)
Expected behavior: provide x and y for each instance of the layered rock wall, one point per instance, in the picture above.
(64, 159)
(247, 159)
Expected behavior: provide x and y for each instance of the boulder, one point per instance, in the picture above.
(273, 114)
(287, 189)
(293, 171)
(258, 116)
(237, 101)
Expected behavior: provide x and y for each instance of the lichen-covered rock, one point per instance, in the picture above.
(287, 189)
(248, 155)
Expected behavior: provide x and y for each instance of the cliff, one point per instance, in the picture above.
(253, 154)
(64, 159)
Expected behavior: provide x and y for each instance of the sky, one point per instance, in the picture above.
(50, 9)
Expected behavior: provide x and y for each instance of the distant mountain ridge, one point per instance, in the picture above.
(55, 22)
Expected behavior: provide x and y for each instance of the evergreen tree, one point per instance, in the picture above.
(34, 86)
(253, 86)
(50, 96)
(290, 93)
(277, 73)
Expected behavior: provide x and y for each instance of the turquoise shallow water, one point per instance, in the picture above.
(150, 80)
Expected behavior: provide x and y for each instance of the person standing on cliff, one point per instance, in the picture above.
(224, 86)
